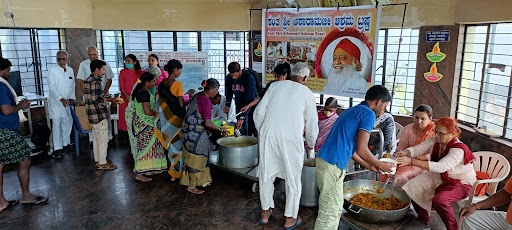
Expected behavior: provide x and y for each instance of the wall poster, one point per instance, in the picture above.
(337, 43)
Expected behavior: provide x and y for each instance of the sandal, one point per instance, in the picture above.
(297, 223)
(195, 190)
(270, 215)
(37, 200)
(108, 161)
(11, 203)
(142, 178)
(106, 166)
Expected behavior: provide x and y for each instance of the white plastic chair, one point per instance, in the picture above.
(496, 166)
(115, 118)
(398, 130)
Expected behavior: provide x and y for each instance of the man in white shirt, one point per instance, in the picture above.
(281, 116)
(61, 82)
(84, 71)
(219, 102)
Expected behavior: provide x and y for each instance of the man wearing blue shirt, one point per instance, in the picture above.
(349, 135)
(13, 148)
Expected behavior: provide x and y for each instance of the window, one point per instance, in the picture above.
(32, 52)
(485, 77)
(222, 48)
(401, 86)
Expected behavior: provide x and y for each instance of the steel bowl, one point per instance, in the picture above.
(238, 152)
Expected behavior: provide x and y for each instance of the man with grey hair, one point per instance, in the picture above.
(84, 71)
(61, 82)
(280, 118)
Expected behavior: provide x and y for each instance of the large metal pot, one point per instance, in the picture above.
(310, 192)
(238, 152)
(353, 187)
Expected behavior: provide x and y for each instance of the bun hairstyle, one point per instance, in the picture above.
(172, 65)
(145, 77)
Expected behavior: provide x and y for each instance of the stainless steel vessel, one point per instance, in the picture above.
(353, 187)
(310, 192)
(238, 152)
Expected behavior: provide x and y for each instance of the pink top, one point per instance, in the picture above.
(407, 138)
(204, 105)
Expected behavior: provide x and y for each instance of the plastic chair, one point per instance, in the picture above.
(496, 166)
(398, 130)
(77, 130)
(115, 118)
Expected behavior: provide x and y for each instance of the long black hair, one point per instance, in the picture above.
(145, 77)
(172, 65)
(134, 59)
(157, 59)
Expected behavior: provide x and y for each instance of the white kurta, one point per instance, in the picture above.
(84, 71)
(280, 118)
(62, 85)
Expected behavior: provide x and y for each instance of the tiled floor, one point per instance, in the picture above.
(81, 197)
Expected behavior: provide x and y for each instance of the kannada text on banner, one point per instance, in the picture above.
(338, 45)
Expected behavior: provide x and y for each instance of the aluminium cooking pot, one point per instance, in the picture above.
(238, 152)
(353, 187)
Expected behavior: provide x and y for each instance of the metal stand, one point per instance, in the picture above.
(249, 173)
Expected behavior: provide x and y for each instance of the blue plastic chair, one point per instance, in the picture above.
(78, 130)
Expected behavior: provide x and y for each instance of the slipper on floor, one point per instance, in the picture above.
(261, 220)
(297, 223)
(37, 200)
(106, 166)
(11, 203)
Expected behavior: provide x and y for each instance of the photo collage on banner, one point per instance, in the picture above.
(337, 43)
(195, 65)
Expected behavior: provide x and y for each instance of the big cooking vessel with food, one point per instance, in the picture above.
(353, 187)
(238, 152)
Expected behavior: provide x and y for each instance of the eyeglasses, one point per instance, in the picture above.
(440, 133)
(61, 59)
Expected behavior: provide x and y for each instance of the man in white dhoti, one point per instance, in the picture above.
(61, 82)
(281, 116)
(84, 71)
(345, 76)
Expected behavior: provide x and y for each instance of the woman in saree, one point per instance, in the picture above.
(449, 173)
(197, 146)
(147, 150)
(326, 118)
(171, 111)
(413, 134)
(153, 61)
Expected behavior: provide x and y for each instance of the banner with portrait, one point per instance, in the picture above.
(337, 43)
(195, 65)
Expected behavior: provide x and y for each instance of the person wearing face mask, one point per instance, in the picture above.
(127, 79)
(326, 118)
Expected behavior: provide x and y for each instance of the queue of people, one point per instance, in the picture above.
(169, 131)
